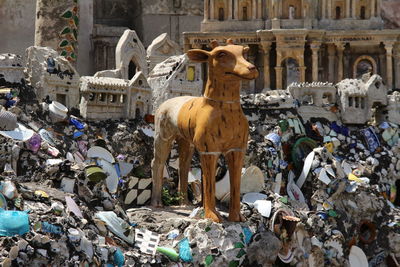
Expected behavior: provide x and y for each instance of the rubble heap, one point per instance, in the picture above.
(315, 192)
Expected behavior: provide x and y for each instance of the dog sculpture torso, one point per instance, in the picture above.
(214, 124)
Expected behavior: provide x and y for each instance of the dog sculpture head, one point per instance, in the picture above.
(226, 62)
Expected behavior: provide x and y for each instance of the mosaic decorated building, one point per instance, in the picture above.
(304, 40)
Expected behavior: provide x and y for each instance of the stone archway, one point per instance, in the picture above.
(130, 49)
(291, 71)
(362, 65)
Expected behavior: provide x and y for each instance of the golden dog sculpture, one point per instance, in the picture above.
(214, 124)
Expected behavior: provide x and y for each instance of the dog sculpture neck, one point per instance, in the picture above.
(222, 91)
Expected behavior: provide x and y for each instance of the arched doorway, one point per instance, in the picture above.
(131, 70)
(291, 71)
(139, 112)
(362, 65)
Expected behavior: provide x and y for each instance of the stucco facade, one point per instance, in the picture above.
(304, 41)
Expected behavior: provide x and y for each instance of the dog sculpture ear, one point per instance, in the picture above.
(198, 55)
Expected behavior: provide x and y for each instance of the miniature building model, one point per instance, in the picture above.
(175, 76)
(52, 75)
(130, 57)
(111, 98)
(392, 113)
(315, 98)
(11, 69)
(295, 40)
(358, 98)
(160, 49)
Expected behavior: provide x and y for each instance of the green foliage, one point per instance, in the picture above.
(168, 199)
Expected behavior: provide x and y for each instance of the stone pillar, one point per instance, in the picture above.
(56, 26)
(315, 50)
(340, 49)
(302, 73)
(212, 9)
(373, 14)
(254, 9)
(278, 69)
(323, 9)
(265, 47)
(396, 56)
(353, 8)
(389, 64)
(331, 63)
(329, 9)
(206, 11)
(275, 9)
(378, 8)
(186, 45)
(259, 9)
(230, 14)
(348, 9)
(278, 73)
(302, 68)
(236, 10)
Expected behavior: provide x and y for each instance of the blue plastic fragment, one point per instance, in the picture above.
(77, 134)
(119, 258)
(184, 250)
(247, 234)
(13, 222)
(78, 125)
(51, 228)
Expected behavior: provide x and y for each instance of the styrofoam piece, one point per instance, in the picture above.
(346, 167)
(146, 241)
(278, 183)
(264, 207)
(306, 169)
(323, 177)
(100, 153)
(252, 180)
(357, 257)
(114, 223)
(112, 176)
(251, 198)
(222, 187)
(20, 133)
(194, 175)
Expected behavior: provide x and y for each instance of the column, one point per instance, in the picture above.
(323, 9)
(396, 56)
(265, 47)
(302, 68)
(389, 64)
(212, 9)
(302, 73)
(278, 70)
(329, 9)
(259, 9)
(229, 9)
(353, 8)
(236, 10)
(373, 9)
(348, 9)
(206, 7)
(315, 50)
(331, 63)
(186, 45)
(254, 10)
(340, 48)
(278, 73)
(378, 8)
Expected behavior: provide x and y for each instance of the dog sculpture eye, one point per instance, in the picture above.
(222, 54)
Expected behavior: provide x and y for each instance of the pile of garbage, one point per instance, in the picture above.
(75, 192)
